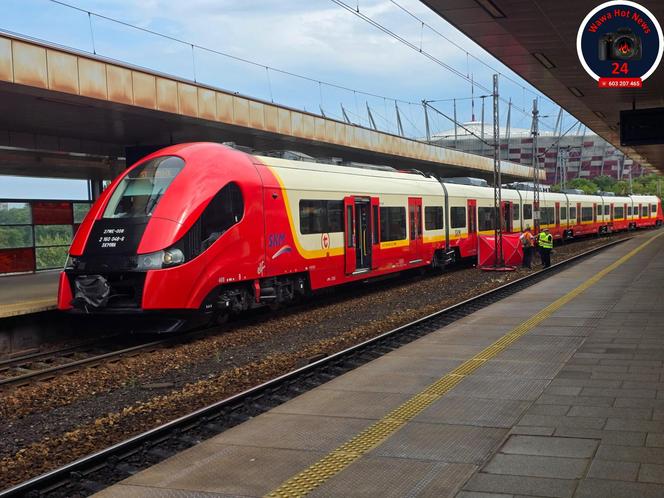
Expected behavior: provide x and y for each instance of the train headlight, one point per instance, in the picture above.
(160, 259)
(173, 256)
(150, 261)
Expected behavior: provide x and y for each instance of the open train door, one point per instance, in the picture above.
(349, 234)
(506, 216)
(375, 231)
(415, 223)
(472, 227)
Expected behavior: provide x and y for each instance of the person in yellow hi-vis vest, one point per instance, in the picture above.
(545, 244)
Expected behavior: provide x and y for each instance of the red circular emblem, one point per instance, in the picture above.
(325, 241)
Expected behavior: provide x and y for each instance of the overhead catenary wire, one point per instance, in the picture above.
(267, 68)
(468, 54)
(219, 52)
(428, 55)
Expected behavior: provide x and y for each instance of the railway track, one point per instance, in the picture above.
(46, 365)
(99, 470)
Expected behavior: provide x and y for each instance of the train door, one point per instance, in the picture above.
(349, 234)
(363, 234)
(594, 213)
(375, 232)
(415, 223)
(472, 227)
(506, 216)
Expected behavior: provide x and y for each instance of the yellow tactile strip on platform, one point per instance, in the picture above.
(343, 456)
(27, 307)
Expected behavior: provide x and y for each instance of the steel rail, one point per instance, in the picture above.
(262, 397)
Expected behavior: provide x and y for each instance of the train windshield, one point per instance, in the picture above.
(139, 192)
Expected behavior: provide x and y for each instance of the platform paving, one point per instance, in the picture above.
(574, 407)
(30, 293)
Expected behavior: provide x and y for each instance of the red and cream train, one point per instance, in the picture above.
(208, 230)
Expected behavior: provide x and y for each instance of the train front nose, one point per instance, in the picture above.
(110, 273)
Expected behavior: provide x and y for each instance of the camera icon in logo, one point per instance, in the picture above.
(623, 45)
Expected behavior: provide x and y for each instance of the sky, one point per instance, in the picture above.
(313, 38)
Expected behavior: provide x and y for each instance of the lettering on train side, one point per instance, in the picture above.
(276, 239)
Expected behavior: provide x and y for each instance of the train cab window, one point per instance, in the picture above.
(321, 216)
(644, 211)
(618, 213)
(653, 208)
(392, 223)
(485, 218)
(433, 217)
(224, 210)
(563, 213)
(139, 192)
(516, 212)
(527, 211)
(586, 214)
(607, 209)
(457, 217)
(572, 213)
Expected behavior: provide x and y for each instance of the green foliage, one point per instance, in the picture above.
(53, 235)
(584, 184)
(51, 257)
(14, 237)
(642, 185)
(14, 213)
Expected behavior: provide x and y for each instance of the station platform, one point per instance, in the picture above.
(555, 391)
(31, 293)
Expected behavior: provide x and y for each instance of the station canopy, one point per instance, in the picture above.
(537, 40)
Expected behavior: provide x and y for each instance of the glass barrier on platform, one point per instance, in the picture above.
(35, 235)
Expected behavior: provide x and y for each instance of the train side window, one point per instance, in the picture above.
(527, 211)
(599, 210)
(618, 213)
(321, 216)
(586, 214)
(572, 213)
(224, 210)
(349, 224)
(485, 218)
(563, 213)
(392, 223)
(547, 216)
(433, 217)
(458, 217)
(515, 212)
(644, 210)
(375, 224)
(607, 209)
(629, 210)
(653, 208)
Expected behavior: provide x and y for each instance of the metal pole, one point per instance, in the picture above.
(456, 145)
(507, 129)
(482, 127)
(399, 125)
(535, 133)
(426, 121)
(497, 180)
(371, 119)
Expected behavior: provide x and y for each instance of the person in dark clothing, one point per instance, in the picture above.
(545, 243)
